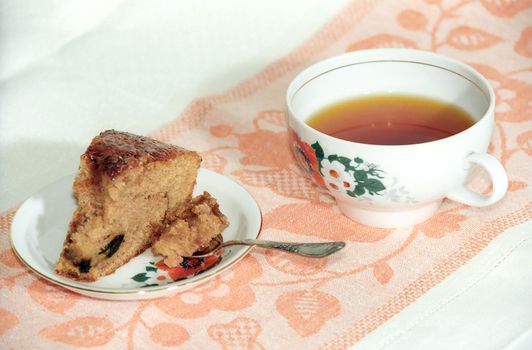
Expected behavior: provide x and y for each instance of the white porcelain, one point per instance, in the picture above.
(40, 225)
(404, 184)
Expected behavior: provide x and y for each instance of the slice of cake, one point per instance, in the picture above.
(196, 227)
(127, 188)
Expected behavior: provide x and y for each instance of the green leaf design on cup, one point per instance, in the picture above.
(360, 175)
(319, 151)
(374, 186)
(355, 177)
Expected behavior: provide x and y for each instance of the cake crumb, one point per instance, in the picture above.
(196, 224)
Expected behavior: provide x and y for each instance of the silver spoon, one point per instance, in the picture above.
(312, 250)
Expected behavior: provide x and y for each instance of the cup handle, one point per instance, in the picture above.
(498, 177)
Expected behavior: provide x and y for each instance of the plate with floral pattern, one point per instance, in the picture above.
(40, 225)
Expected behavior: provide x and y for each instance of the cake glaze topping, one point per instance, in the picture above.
(114, 151)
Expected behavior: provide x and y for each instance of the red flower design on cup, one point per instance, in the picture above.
(306, 158)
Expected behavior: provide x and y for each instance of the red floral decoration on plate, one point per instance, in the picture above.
(188, 267)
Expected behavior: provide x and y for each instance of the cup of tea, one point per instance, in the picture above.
(390, 133)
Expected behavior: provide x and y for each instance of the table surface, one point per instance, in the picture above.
(212, 75)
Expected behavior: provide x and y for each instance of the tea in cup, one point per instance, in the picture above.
(392, 132)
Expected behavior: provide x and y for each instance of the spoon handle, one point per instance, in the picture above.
(314, 250)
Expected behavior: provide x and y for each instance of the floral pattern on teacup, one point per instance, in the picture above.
(306, 159)
(352, 176)
(355, 177)
(398, 193)
(335, 176)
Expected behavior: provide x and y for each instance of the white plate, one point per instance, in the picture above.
(40, 225)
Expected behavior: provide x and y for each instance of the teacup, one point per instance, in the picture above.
(395, 185)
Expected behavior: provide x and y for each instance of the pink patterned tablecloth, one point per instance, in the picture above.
(274, 300)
